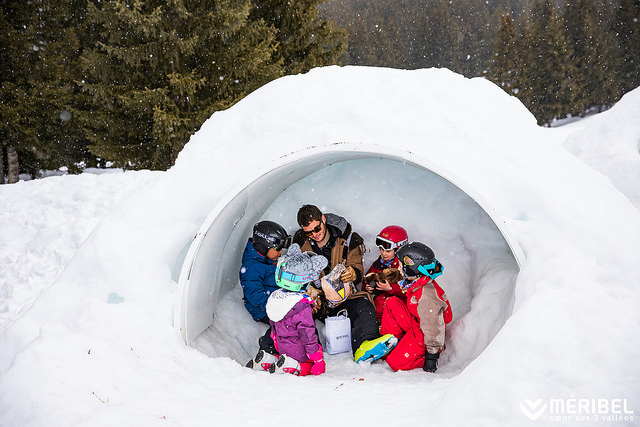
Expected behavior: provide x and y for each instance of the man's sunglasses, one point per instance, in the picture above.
(315, 230)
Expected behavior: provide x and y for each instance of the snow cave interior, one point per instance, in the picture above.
(371, 189)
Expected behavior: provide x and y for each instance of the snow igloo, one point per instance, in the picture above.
(424, 149)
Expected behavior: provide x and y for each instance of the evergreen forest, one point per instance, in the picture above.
(125, 83)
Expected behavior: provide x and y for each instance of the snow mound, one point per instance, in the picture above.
(98, 345)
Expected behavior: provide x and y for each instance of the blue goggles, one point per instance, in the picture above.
(432, 270)
(285, 275)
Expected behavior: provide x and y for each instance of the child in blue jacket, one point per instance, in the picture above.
(257, 277)
(259, 265)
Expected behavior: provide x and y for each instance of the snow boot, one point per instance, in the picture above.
(262, 361)
(285, 365)
(375, 349)
(431, 362)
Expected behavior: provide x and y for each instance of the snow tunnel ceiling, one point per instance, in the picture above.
(213, 260)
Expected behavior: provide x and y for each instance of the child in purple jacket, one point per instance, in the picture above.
(290, 312)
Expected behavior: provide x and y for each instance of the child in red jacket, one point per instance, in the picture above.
(389, 240)
(420, 322)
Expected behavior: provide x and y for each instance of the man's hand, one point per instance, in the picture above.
(348, 275)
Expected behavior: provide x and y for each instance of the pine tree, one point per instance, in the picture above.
(417, 33)
(627, 28)
(595, 54)
(163, 67)
(546, 69)
(475, 36)
(357, 52)
(18, 53)
(502, 67)
(437, 36)
(606, 59)
(62, 129)
(304, 41)
(37, 88)
(525, 55)
(373, 37)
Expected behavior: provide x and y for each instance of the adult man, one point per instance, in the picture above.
(330, 235)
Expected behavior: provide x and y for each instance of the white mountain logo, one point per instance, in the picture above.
(533, 409)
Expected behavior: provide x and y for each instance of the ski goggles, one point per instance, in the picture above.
(286, 276)
(387, 244)
(283, 243)
(432, 270)
(274, 242)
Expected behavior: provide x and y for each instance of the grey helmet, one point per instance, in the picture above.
(418, 259)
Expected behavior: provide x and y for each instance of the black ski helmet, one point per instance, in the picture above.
(418, 259)
(267, 235)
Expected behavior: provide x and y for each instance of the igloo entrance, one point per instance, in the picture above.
(371, 188)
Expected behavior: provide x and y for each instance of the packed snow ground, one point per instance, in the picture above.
(89, 267)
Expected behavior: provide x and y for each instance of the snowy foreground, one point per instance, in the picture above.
(90, 264)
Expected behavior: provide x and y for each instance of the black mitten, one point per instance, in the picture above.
(431, 362)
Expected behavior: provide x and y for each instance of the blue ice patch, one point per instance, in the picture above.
(114, 298)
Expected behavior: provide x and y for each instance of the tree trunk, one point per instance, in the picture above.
(14, 170)
(1, 166)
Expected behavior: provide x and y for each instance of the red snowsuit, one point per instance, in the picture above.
(380, 297)
(419, 324)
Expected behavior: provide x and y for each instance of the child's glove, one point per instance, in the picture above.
(318, 362)
(348, 275)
